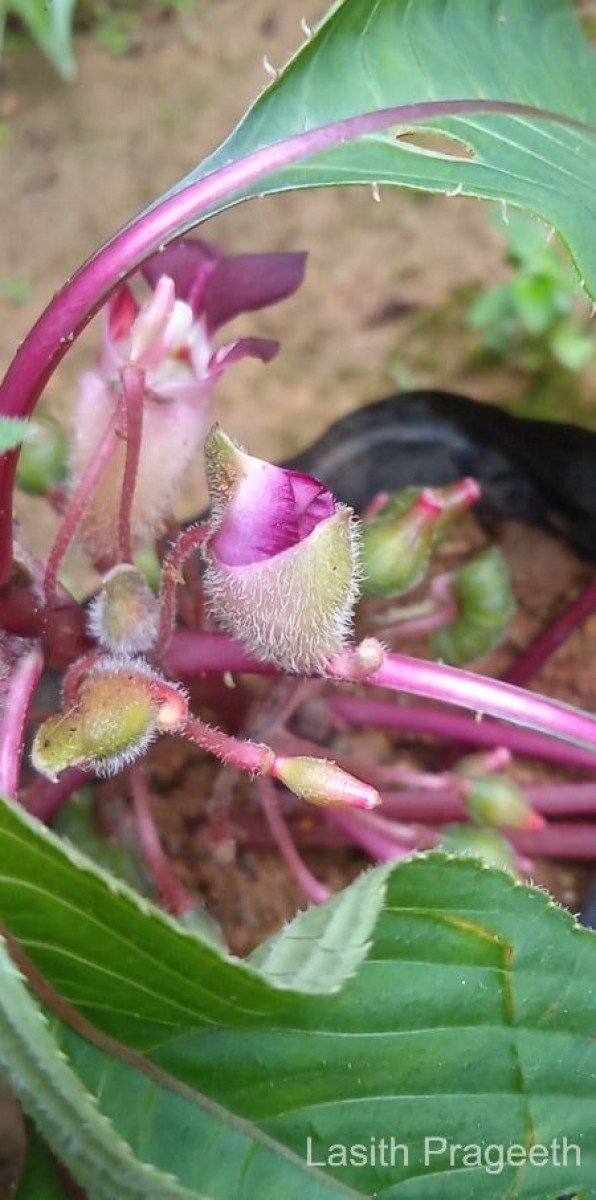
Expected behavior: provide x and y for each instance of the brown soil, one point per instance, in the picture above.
(80, 160)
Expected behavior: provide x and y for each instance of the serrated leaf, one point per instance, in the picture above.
(472, 1018)
(364, 57)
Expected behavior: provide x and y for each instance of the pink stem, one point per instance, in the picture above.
(253, 757)
(78, 503)
(439, 808)
(379, 841)
(17, 691)
(550, 639)
(205, 652)
(557, 840)
(314, 891)
(359, 711)
(172, 576)
(171, 891)
(43, 799)
(133, 389)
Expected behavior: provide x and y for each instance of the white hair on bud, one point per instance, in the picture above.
(105, 768)
(105, 624)
(295, 609)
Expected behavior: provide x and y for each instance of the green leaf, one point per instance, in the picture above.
(12, 433)
(49, 24)
(367, 56)
(471, 1019)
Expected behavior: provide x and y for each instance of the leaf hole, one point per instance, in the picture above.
(437, 145)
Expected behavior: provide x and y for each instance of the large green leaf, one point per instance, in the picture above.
(471, 1019)
(367, 56)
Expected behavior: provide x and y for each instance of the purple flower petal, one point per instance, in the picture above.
(247, 282)
(222, 287)
(250, 347)
(190, 263)
(259, 521)
(259, 510)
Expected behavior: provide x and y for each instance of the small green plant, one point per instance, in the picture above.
(537, 318)
(49, 25)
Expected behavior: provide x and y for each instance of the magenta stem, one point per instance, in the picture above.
(17, 692)
(71, 310)
(382, 714)
(174, 896)
(43, 800)
(78, 503)
(534, 658)
(133, 391)
(253, 757)
(197, 653)
(440, 808)
(171, 577)
(557, 840)
(381, 842)
(314, 891)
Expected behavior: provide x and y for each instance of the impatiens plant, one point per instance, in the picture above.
(150, 1061)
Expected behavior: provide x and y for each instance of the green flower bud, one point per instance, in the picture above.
(497, 800)
(43, 461)
(486, 604)
(124, 615)
(120, 708)
(323, 783)
(398, 543)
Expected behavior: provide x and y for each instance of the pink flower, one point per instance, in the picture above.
(195, 290)
(282, 559)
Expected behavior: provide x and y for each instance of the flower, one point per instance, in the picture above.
(195, 291)
(282, 559)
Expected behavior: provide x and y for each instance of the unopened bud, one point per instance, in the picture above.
(485, 601)
(43, 462)
(124, 615)
(325, 784)
(480, 843)
(497, 800)
(282, 559)
(397, 544)
(120, 708)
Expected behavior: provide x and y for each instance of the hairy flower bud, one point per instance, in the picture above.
(282, 559)
(120, 707)
(325, 784)
(124, 615)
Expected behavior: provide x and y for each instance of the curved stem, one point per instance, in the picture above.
(24, 672)
(79, 501)
(314, 891)
(362, 710)
(133, 391)
(171, 891)
(171, 577)
(532, 659)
